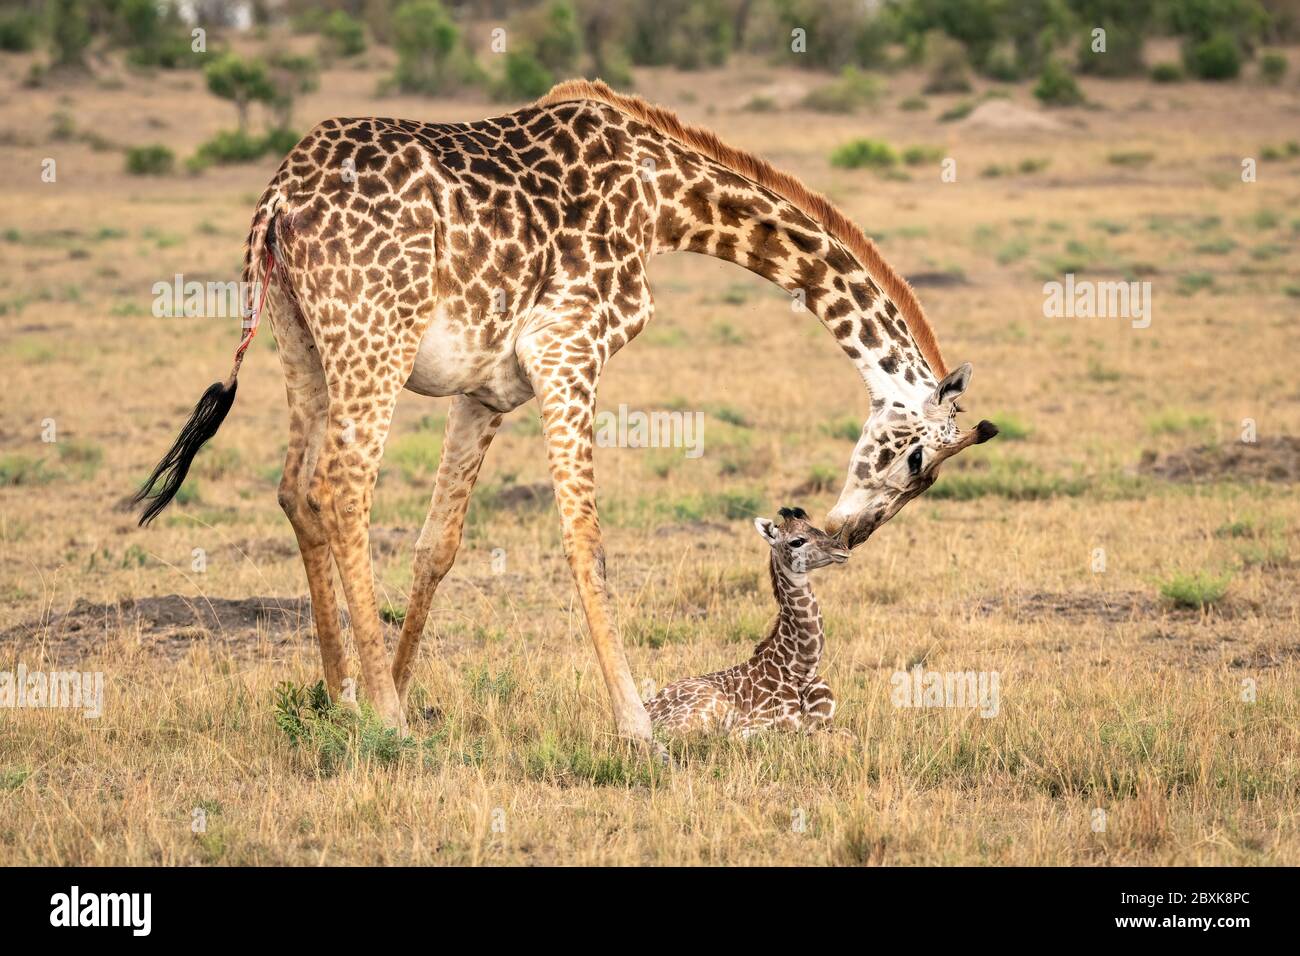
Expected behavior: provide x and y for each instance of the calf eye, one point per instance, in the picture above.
(914, 461)
(798, 543)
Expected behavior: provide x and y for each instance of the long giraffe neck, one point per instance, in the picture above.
(796, 640)
(708, 209)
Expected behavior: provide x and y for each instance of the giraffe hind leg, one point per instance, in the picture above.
(304, 381)
(470, 427)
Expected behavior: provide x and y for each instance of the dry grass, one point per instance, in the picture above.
(1112, 697)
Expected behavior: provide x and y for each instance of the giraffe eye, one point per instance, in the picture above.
(914, 461)
(798, 543)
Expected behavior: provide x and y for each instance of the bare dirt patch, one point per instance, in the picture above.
(1005, 117)
(170, 624)
(1275, 459)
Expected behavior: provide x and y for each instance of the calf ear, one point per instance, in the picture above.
(953, 385)
(768, 530)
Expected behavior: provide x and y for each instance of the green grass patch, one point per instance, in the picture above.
(1011, 428)
(330, 738)
(415, 456)
(1177, 422)
(1012, 478)
(1198, 590)
(22, 471)
(1132, 158)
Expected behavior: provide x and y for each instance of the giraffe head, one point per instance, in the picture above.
(797, 545)
(898, 456)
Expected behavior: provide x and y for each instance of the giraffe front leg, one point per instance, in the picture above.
(817, 706)
(566, 389)
(470, 429)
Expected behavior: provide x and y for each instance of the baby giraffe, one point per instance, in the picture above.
(778, 686)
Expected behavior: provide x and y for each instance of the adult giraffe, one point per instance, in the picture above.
(503, 260)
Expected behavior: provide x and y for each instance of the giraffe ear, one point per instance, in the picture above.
(768, 530)
(953, 385)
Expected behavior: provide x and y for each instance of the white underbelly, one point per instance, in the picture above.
(450, 362)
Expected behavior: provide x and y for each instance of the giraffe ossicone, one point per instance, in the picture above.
(502, 261)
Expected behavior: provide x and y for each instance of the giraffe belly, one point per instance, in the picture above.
(450, 362)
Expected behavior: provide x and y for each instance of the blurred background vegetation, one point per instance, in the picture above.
(514, 50)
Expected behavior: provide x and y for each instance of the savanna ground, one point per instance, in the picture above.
(1114, 696)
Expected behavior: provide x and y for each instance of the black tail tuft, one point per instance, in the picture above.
(170, 474)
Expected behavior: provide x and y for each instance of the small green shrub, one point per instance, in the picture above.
(1056, 87)
(344, 35)
(949, 68)
(1137, 159)
(431, 56)
(331, 738)
(1216, 58)
(922, 155)
(860, 153)
(154, 160)
(278, 142)
(847, 94)
(1167, 73)
(17, 32)
(1199, 590)
(1272, 67)
(525, 77)
(958, 112)
(1122, 57)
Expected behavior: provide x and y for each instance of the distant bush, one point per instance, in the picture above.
(949, 68)
(851, 91)
(1218, 58)
(17, 32)
(69, 29)
(958, 112)
(836, 34)
(155, 160)
(1167, 73)
(687, 34)
(1122, 56)
(431, 56)
(232, 146)
(921, 155)
(344, 36)
(553, 36)
(278, 141)
(1272, 67)
(869, 153)
(525, 77)
(1056, 87)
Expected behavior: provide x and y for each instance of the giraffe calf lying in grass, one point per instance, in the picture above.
(778, 686)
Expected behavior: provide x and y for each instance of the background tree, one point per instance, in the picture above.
(431, 58)
(241, 81)
(69, 31)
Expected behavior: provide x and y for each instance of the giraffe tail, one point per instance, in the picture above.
(169, 474)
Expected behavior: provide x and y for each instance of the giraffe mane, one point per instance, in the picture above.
(789, 187)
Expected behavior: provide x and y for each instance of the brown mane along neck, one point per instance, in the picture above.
(816, 206)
